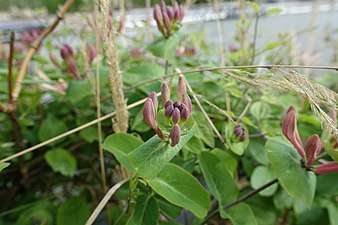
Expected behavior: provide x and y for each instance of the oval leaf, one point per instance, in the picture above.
(61, 161)
(181, 188)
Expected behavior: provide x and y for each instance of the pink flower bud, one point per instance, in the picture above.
(165, 92)
(238, 131)
(168, 103)
(177, 104)
(153, 97)
(290, 131)
(66, 51)
(149, 114)
(167, 23)
(187, 102)
(185, 114)
(72, 68)
(175, 135)
(176, 10)
(181, 13)
(312, 148)
(168, 111)
(158, 18)
(181, 87)
(171, 14)
(329, 167)
(176, 115)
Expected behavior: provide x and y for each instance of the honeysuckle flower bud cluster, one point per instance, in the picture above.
(168, 20)
(239, 133)
(312, 148)
(176, 112)
(67, 54)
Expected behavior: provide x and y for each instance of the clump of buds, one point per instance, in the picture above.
(67, 54)
(176, 112)
(28, 37)
(168, 20)
(239, 133)
(312, 148)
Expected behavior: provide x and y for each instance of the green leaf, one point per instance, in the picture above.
(52, 127)
(90, 134)
(41, 212)
(274, 11)
(194, 145)
(227, 159)
(152, 156)
(204, 131)
(260, 176)
(78, 90)
(332, 209)
(181, 188)
(169, 209)
(166, 48)
(3, 165)
(255, 6)
(74, 211)
(240, 214)
(146, 211)
(260, 110)
(221, 184)
(120, 145)
(285, 161)
(61, 161)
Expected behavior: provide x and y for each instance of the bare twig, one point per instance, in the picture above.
(104, 201)
(253, 54)
(35, 46)
(10, 67)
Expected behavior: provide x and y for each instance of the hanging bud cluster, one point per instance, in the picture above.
(28, 37)
(312, 148)
(176, 112)
(67, 54)
(168, 20)
(239, 133)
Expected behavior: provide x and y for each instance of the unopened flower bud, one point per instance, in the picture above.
(91, 53)
(329, 167)
(243, 137)
(165, 92)
(312, 148)
(185, 113)
(168, 111)
(167, 23)
(182, 106)
(149, 114)
(66, 51)
(72, 68)
(187, 101)
(171, 14)
(153, 97)
(176, 115)
(181, 87)
(238, 131)
(176, 10)
(158, 18)
(181, 13)
(168, 103)
(290, 131)
(175, 135)
(176, 104)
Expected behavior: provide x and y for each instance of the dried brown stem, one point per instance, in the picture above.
(34, 48)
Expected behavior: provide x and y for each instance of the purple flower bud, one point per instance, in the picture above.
(312, 148)
(176, 10)
(168, 103)
(182, 106)
(181, 87)
(158, 18)
(165, 92)
(164, 7)
(238, 131)
(243, 137)
(176, 115)
(329, 167)
(168, 111)
(181, 13)
(66, 51)
(72, 68)
(187, 101)
(176, 104)
(175, 135)
(167, 24)
(153, 97)
(149, 114)
(185, 114)
(171, 14)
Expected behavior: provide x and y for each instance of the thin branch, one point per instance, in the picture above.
(69, 132)
(35, 46)
(104, 201)
(254, 40)
(10, 68)
(241, 199)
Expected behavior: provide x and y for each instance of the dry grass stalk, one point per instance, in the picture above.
(120, 125)
(289, 80)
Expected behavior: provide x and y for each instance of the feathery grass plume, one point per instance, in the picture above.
(289, 80)
(120, 124)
